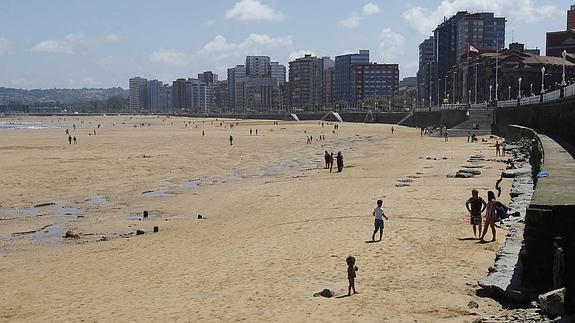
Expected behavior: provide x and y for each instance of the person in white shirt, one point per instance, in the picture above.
(379, 215)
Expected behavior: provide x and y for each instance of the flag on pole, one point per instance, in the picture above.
(473, 49)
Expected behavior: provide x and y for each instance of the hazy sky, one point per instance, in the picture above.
(77, 43)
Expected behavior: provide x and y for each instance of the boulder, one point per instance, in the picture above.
(71, 235)
(325, 293)
(463, 175)
(140, 232)
(553, 302)
(470, 171)
(472, 304)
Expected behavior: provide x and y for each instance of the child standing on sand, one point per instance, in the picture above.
(379, 215)
(351, 269)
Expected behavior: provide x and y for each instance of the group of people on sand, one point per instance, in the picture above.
(494, 211)
(329, 161)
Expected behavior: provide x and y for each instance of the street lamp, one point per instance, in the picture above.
(519, 89)
(469, 97)
(531, 88)
(447, 98)
(543, 79)
(564, 54)
(490, 87)
(509, 95)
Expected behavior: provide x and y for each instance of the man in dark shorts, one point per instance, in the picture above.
(475, 205)
(326, 157)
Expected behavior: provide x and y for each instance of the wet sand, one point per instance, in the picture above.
(276, 226)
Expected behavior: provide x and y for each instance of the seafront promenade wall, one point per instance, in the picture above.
(555, 119)
(448, 118)
(551, 211)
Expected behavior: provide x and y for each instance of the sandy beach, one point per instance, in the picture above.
(276, 227)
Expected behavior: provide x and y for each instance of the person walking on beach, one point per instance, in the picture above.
(351, 269)
(475, 205)
(497, 152)
(378, 223)
(67, 132)
(256, 132)
(326, 157)
(75, 141)
(503, 148)
(231, 140)
(339, 158)
(446, 135)
(70, 140)
(392, 130)
(558, 263)
(330, 162)
(490, 216)
(203, 133)
(250, 131)
(468, 136)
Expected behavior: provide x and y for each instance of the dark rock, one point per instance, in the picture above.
(44, 204)
(463, 175)
(104, 238)
(553, 302)
(472, 304)
(140, 232)
(156, 229)
(402, 185)
(71, 235)
(325, 293)
(200, 216)
(470, 171)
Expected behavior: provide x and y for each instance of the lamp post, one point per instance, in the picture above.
(531, 88)
(469, 97)
(543, 79)
(496, 92)
(564, 54)
(509, 93)
(490, 86)
(519, 89)
(445, 95)
(447, 98)
(389, 105)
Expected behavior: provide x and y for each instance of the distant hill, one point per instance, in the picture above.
(62, 96)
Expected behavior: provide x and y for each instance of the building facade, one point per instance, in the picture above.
(375, 81)
(425, 72)
(236, 75)
(137, 93)
(258, 66)
(179, 89)
(558, 41)
(452, 39)
(153, 95)
(306, 83)
(278, 72)
(221, 96)
(165, 97)
(208, 77)
(328, 90)
(512, 64)
(343, 74)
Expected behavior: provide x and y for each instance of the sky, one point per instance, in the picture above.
(81, 43)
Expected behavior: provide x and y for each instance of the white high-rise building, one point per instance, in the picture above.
(278, 72)
(138, 89)
(153, 95)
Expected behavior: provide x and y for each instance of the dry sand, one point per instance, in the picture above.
(277, 226)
